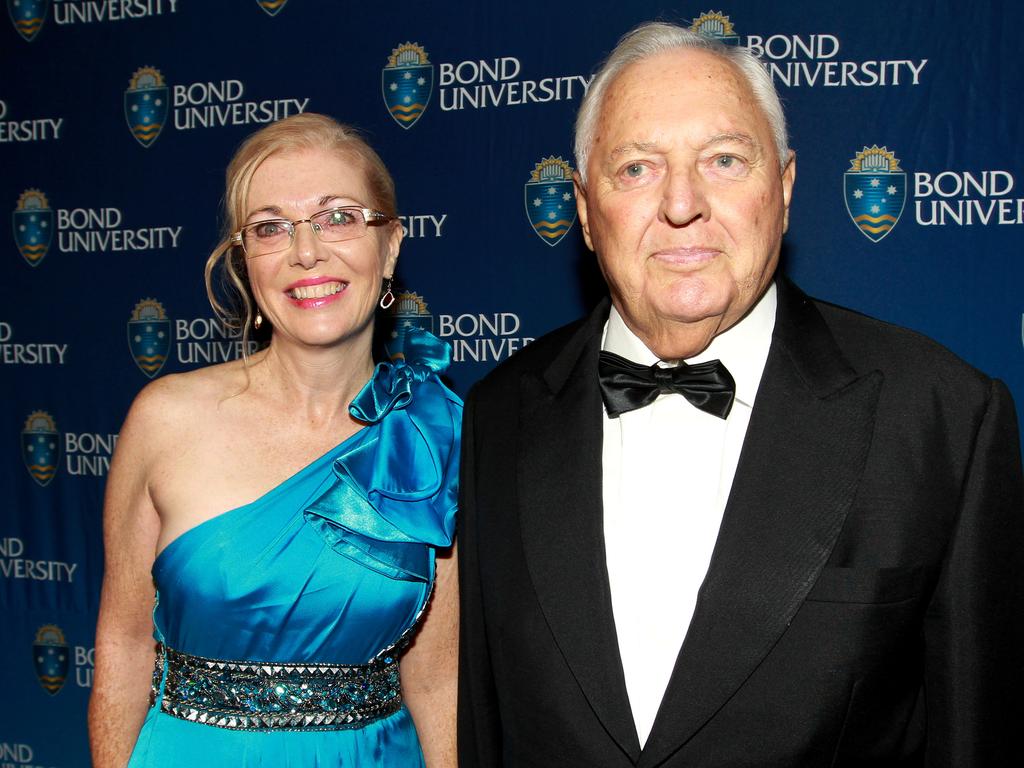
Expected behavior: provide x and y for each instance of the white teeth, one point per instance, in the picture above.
(316, 291)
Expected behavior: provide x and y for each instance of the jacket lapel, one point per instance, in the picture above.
(561, 505)
(799, 469)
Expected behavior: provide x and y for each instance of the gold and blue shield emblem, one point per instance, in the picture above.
(149, 336)
(272, 7)
(716, 25)
(407, 82)
(145, 105)
(28, 16)
(409, 311)
(875, 190)
(51, 656)
(33, 226)
(550, 199)
(40, 446)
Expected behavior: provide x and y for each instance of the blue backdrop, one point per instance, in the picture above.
(117, 118)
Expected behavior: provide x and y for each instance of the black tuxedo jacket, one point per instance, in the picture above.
(863, 606)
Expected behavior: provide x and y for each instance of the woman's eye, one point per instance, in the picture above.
(633, 170)
(340, 218)
(267, 229)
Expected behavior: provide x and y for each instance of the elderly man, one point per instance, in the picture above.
(718, 523)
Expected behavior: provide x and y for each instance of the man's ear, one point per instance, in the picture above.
(788, 179)
(581, 207)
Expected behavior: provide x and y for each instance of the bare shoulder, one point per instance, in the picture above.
(179, 406)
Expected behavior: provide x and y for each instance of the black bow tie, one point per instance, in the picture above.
(626, 386)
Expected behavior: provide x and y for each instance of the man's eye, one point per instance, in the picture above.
(728, 163)
(634, 170)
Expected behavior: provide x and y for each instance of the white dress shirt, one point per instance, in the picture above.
(667, 472)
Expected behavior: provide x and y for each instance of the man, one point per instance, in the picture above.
(807, 557)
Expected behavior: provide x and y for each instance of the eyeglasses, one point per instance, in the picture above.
(331, 226)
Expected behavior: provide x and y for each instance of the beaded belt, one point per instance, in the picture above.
(246, 695)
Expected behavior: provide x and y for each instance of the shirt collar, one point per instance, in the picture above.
(743, 349)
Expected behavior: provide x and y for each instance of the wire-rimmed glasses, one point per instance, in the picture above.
(332, 225)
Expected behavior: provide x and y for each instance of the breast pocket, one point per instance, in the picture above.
(868, 585)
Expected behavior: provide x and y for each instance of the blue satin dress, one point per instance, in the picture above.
(333, 566)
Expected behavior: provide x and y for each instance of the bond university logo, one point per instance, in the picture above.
(33, 226)
(550, 203)
(716, 25)
(407, 82)
(145, 104)
(50, 654)
(875, 189)
(40, 446)
(408, 311)
(28, 16)
(272, 7)
(149, 336)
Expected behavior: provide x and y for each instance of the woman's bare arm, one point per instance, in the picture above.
(430, 668)
(124, 632)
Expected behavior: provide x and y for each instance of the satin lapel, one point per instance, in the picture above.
(561, 512)
(801, 463)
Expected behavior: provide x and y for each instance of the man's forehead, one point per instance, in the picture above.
(713, 139)
(697, 65)
(679, 95)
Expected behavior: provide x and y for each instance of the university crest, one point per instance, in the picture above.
(407, 82)
(149, 336)
(550, 200)
(272, 7)
(716, 25)
(408, 311)
(50, 654)
(28, 16)
(40, 446)
(33, 226)
(875, 190)
(145, 105)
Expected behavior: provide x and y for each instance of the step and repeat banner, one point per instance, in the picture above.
(117, 118)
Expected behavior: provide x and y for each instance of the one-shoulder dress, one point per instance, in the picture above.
(280, 623)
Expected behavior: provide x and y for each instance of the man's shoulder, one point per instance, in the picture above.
(872, 344)
(534, 358)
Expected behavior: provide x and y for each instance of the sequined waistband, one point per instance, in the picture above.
(248, 695)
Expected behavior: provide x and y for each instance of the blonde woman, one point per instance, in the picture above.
(294, 510)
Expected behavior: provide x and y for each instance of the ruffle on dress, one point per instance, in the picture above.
(394, 494)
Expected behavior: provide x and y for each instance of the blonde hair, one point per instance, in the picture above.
(298, 132)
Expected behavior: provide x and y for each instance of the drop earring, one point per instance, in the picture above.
(258, 321)
(387, 297)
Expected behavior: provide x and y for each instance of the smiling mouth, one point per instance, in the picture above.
(320, 291)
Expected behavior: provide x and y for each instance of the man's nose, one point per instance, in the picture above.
(308, 251)
(685, 197)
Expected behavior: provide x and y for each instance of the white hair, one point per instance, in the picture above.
(657, 37)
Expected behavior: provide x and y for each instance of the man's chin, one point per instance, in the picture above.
(677, 334)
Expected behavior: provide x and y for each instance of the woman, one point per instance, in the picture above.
(339, 482)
